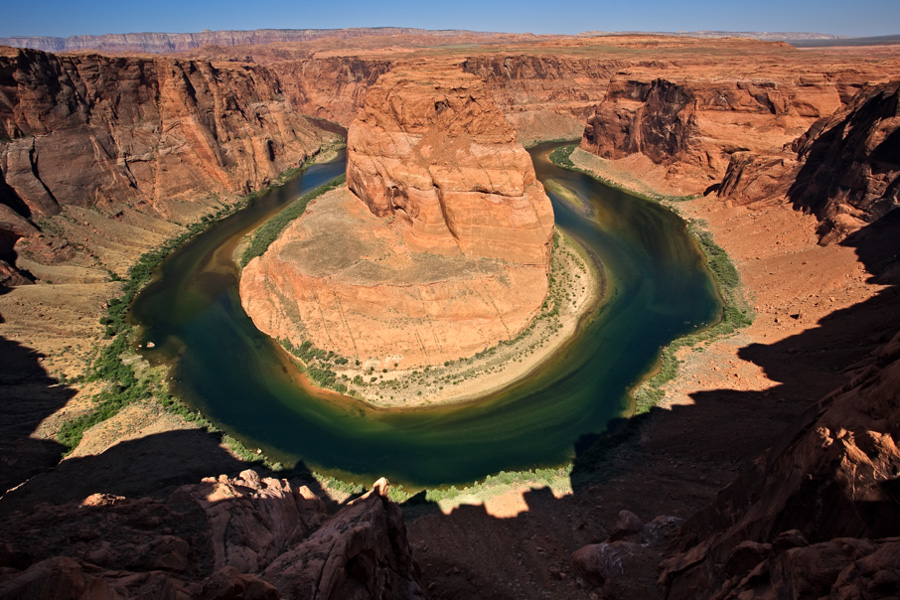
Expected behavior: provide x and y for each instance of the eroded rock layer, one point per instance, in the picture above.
(440, 248)
(153, 133)
(845, 169)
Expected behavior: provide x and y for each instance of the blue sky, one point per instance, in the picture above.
(64, 18)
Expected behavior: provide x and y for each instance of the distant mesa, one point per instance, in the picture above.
(438, 248)
(161, 43)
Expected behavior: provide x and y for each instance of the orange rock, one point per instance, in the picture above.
(441, 250)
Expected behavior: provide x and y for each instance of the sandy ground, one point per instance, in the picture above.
(790, 281)
(579, 286)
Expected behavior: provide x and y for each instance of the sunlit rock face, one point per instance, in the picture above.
(440, 246)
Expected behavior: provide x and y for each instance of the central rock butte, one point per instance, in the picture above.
(439, 247)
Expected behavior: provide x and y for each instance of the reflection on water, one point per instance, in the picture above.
(242, 381)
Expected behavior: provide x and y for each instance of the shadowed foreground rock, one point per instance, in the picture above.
(817, 516)
(224, 538)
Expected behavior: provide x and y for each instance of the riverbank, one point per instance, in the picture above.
(58, 332)
(763, 240)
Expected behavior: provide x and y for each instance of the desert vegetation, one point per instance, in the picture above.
(736, 312)
(575, 285)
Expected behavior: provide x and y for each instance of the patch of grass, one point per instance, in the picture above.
(339, 485)
(562, 157)
(269, 231)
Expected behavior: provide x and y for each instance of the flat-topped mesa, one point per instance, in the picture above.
(440, 248)
(436, 152)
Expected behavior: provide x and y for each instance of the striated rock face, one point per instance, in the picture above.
(694, 126)
(178, 42)
(817, 516)
(442, 247)
(89, 129)
(247, 537)
(845, 169)
(332, 88)
(544, 97)
(98, 131)
(441, 158)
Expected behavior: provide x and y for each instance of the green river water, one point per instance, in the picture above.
(242, 381)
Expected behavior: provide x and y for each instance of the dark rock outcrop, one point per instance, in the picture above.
(817, 516)
(851, 163)
(224, 538)
(655, 119)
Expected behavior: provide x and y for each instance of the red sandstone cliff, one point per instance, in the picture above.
(332, 88)
(695, 126)
(441, 157)
(441, 250)
(150, 133)
(845, 169)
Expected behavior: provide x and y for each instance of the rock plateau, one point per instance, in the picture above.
(441, 246)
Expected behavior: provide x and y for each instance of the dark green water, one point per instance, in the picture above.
(223, 366)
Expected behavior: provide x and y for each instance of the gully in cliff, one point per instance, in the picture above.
(438, 251)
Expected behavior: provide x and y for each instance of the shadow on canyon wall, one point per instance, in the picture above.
(666, 462)
(150, 466)
(27, 396)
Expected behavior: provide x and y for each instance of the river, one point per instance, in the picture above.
(242, 381)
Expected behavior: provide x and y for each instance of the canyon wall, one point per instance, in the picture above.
(544, 97)
(332, 88)
(99, 132)
(694, 127)
(441, 247)
(845, 169)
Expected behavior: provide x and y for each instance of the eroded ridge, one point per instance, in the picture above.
(440, 246)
